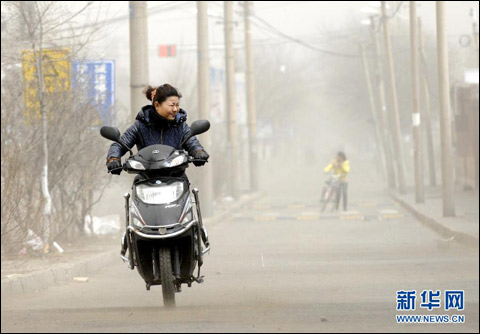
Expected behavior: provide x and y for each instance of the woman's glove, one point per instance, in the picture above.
(200, 155)
(114, 166)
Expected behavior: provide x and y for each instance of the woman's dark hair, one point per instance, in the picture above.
(163, 92)
(148, 92)
(342, 155)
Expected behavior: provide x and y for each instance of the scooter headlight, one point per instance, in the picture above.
(176, 161)
(160, 194)
(136, 165)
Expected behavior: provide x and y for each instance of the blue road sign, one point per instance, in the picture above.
(98, 77)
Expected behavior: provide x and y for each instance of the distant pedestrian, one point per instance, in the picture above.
(340, 167)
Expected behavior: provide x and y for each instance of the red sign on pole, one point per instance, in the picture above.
(166, 51)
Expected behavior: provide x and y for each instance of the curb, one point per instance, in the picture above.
(26, 283)
(42, 279)
(436, 226)
(216, 219)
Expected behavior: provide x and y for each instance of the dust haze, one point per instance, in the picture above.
(322, 86)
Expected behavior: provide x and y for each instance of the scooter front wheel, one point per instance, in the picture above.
(166, 276)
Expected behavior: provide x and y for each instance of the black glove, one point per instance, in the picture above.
(114, 167)
(200, 155)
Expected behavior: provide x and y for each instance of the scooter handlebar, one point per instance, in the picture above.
(192, 159)
(124, 167)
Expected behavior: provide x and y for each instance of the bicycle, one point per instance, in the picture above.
(329, 192)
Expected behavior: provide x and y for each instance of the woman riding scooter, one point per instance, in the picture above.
(162, 122)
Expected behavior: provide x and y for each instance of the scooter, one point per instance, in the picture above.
(163, 236)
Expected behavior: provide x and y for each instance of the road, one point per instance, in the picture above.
(277, 266)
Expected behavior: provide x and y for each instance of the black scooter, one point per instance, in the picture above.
(163, 236)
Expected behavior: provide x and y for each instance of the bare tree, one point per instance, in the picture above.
(64, 137)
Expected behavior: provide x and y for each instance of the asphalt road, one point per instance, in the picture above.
(276, 267)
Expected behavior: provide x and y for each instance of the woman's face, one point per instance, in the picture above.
(169, 108)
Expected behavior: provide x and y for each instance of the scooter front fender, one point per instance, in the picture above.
(162, 236)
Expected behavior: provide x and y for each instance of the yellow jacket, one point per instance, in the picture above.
(341, 170)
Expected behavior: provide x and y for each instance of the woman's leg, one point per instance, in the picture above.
(345, 195)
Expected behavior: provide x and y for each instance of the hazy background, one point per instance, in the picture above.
(311, 96)
(309, 104)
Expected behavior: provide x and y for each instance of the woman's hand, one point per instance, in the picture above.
(200, 155)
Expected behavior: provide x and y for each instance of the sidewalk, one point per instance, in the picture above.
(463, 228)
(30, 273)
(25, 275)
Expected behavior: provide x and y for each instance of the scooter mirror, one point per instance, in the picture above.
(111, 133)
(199, 127)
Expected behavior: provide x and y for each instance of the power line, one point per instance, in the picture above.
(300, 42)
(382, 19)
(277, 33)
(150, 12)
(262, 24)
(283, 4)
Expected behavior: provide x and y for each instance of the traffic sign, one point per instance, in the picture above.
(98, 77)
(56, 77)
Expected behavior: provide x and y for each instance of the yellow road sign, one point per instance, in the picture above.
(55, 66)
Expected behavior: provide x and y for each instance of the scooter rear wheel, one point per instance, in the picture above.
(166, 276)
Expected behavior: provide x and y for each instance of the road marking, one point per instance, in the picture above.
(315, 205)
(315, 216)
(390, 214)
(308, 217)
(309, 213)
(265, 218)
(388, 211)
(296, 206)
(366, 205)
(263, 263)
(353, 215)
(261, 206)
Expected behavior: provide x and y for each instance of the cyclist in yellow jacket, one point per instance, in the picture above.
(341, 167)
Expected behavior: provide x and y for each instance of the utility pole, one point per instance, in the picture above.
(233, 177)
(445, 120)
(252, 117)
(381, 107)
(475, 38)
(427, 119)
(138, 55)
(373, 110)
(206, 181)
(396, 117)
(417, 147)
(475, 31)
